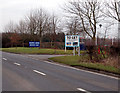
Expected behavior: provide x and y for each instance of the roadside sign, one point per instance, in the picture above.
(72, 40)
(34, 44)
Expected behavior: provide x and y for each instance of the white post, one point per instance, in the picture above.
(65, 49)
(74, 51)
(78, 51)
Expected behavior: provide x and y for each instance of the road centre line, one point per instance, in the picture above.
(83, 90)
(17, 64)
(4, 59)
(83, 70)
(36, 71)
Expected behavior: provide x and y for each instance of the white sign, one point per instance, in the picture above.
(72, 41)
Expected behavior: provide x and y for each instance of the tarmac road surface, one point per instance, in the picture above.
(22, 73)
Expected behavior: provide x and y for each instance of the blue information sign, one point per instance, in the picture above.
(34, 44)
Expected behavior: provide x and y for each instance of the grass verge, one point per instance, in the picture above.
(25, 50)
(76, 62)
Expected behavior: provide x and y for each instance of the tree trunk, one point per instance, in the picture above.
(40, 42)
(94, 41)
(23, 44)
(51, 44)
(16, 46)
(12, 45)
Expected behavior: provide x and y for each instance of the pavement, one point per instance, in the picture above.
(42, 57)
(26, 73)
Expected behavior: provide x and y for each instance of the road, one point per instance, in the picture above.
(23, 73)
(42, 57)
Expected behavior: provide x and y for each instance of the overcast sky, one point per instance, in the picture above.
(15, 10)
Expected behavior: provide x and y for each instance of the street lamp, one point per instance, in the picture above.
(100, 25)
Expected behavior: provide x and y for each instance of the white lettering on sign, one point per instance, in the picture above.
(34, 44)
(72, 41)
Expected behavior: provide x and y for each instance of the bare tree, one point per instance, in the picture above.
(53, 27)
(107, 27)
(41, 18)
(112, 10)
(10, 27)
(88, 13)
(31, 24)
(22, 27)
(22, 30)
(74, 27)
(37, 23)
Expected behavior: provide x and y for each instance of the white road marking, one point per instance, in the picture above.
(82, 70)
(4, 59)
(35, 59)
(56, 64)
(17, 64)
(39, 72)
(80, 89)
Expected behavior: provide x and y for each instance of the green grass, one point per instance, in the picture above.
(24, 50)
(76, 61)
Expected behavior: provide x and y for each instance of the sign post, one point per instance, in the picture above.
(72, 41)
(74, 51)
(65, 49)
(78, 51)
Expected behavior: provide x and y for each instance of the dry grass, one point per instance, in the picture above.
(112, 61)
(81, 61)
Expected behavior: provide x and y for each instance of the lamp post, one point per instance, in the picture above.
(35, 33)
(100, 27)
(96, 33)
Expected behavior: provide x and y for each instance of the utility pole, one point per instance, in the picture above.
(119, 24)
